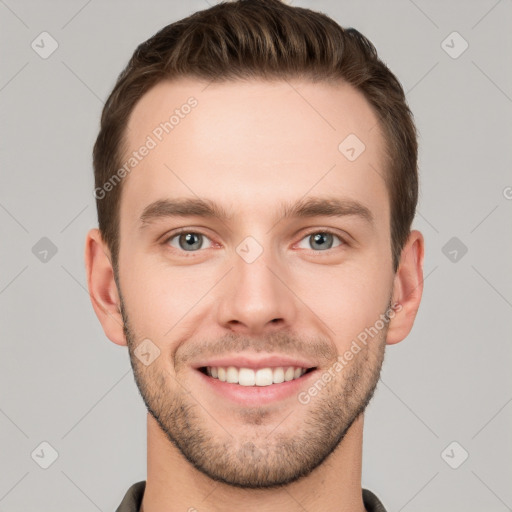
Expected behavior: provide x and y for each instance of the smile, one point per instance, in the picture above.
(260, 377)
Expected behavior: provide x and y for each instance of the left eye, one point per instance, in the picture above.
(188, 241)
(321, 240)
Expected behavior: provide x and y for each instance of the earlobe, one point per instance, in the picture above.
(102, 287)
(407, 288)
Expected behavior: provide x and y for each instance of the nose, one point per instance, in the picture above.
(256, 298)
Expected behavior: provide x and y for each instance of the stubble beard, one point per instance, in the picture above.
(248, 459)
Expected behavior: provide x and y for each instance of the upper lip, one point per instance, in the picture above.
(269, 361)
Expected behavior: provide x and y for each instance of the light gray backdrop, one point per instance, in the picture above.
(445, 392)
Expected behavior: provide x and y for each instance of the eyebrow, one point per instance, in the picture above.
(303, 208)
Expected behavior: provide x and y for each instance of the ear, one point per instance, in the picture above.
(102, 287)
(407, 288)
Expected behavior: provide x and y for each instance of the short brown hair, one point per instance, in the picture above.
(262, 39)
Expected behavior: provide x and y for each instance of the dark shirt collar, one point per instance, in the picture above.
(133, 499)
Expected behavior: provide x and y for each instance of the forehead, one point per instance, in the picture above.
(252, 145)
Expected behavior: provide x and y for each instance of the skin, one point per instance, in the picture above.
(250, 146)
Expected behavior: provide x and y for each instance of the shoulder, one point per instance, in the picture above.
(133, 498)
(371, 502)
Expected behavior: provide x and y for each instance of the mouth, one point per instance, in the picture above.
(254, 387)
(255, 377)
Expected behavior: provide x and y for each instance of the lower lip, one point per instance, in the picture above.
(257, 395)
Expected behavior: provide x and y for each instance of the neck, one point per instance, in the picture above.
(173, 484)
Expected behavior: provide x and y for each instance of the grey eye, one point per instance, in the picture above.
(189, 241)
(321, 240)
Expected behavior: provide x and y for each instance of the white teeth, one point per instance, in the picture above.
(263, 376)
(250, 377)
(289, 374)
(278, 375)
(232, 375)
(246, 377)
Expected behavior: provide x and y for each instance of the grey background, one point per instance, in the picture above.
(65, 383)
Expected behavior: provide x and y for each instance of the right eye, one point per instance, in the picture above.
(186, 240)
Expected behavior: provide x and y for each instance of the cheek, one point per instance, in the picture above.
(162, 299)
(148, 296)
(348, 299)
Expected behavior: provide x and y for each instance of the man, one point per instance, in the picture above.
(256, 181)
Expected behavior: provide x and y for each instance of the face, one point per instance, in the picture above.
(251, 244)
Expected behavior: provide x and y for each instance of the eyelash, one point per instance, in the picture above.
(189, 254)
